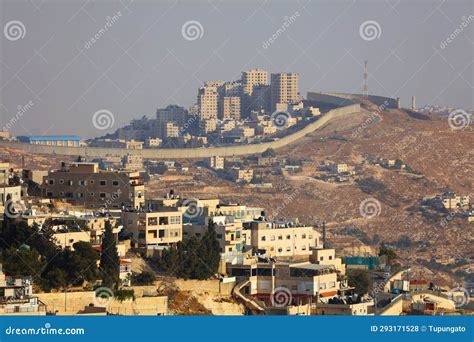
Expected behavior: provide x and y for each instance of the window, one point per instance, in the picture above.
(163, 220)
(280, 237)
(303, 248)
(161, 233)
(330, 257)
(322, 286)
(61, 181)
(103, 183)
(332, 284)
(115, 183)
(321, 258)
(175, 219)
(280, 250)
(80, 195)
(82, 182)
(303, 236)
(51, 181)
(102, 195)
(91, 181)
(152, 221)
(272, 238)
(288, 249)
(288, 237)
(219, 236)
(49, 194)
(70, 183)
(264, 238)
(92, 194)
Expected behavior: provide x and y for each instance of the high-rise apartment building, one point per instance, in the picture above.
(252, 78)
(283, 89)
(173, 114)
(229, 107)
(208, 100)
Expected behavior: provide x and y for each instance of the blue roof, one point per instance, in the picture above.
(48, 137)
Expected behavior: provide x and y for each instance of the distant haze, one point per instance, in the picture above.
(143, 60)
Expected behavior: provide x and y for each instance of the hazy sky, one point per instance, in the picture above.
(144, 61)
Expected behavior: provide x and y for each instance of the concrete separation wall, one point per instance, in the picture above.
(190, 153)
(378, 100)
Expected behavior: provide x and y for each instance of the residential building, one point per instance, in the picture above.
(208, 125)
(216, 162)
(83, 184)
(154, 228)
(338, 168)
(132, 162)
(228, 231)
(242, 175)
(229, 107)
(236, 211)
(275, 239)
(171, 113)
(153, 142)
(253, 78)
(299, 282)
(283, 89)
(16, 296)
(207, 101)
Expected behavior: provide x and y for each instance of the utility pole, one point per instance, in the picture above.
(366, 87)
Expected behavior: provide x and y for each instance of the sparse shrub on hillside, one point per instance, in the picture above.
(370, 185)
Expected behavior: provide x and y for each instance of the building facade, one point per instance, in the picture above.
(83, 184)
(283, 89)
(156, 228)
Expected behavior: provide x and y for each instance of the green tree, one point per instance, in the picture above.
(109, 259)
(360, 280)
(23, 262)
(269, 152)
(208, 253)
(86, 260)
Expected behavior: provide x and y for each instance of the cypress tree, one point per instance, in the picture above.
(109, 259)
